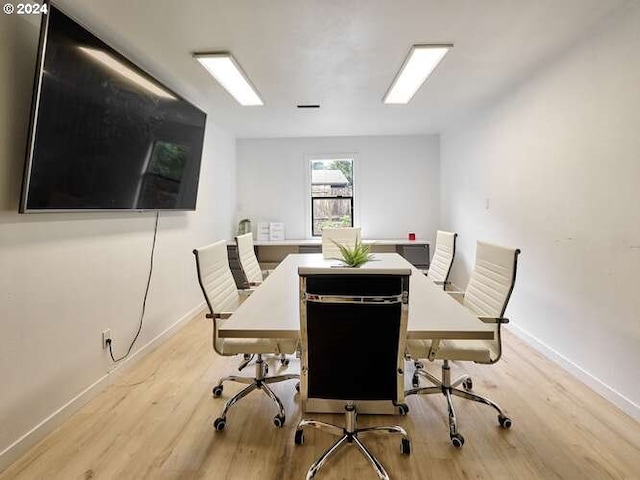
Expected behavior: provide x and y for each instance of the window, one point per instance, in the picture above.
(331, 194)
(160, 182)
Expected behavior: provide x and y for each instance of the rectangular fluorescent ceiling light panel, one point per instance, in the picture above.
(228, 73)
(417, 67)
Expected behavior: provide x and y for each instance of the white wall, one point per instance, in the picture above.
(66, 277)
(396, 181)
(559, 160)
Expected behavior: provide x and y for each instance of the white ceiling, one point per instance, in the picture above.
(342, 54)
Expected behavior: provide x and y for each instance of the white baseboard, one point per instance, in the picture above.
(38, 432)
(623, 403)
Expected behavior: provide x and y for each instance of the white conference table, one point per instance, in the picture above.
(272, 311)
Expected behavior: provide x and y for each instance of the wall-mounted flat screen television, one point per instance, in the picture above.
(105, 135)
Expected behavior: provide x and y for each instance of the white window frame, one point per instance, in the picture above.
(307, 191)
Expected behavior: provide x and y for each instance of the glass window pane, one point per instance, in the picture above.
(330, 178)
(332, 213)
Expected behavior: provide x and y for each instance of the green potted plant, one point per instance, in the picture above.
(244, 226)
(356, 256)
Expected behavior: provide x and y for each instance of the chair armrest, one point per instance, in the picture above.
(494, 319)
(457, 296)
(442, 284)
(435, 345)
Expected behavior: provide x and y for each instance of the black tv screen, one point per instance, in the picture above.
(105, 135)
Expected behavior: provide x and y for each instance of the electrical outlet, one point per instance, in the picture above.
(106, 335)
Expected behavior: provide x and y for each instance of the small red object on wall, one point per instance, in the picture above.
(412, 236)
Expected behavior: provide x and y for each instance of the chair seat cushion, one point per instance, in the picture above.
(465, 350)
(233, 346)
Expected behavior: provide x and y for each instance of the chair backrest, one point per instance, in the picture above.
(248, 260)
(353, 331)
(217, 284)
(492, 280)
(347, 236)
(442, 260)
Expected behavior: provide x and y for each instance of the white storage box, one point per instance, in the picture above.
(263, 231)
(276, 231)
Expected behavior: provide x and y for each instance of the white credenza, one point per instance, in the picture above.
(271, 253)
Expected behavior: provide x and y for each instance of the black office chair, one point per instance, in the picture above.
(350, 320)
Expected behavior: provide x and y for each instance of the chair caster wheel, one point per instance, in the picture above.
(505, 422)
(405, 446)
(298, 439)
(278, 420)
(467, 384)
(217, 391)
(415, 381)
(403, 409)
(457, 440)
(298, 387)
(219, 424)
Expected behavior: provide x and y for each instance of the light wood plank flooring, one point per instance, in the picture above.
(154, 422)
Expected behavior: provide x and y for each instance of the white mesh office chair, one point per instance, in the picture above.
(363, 318)
(487, 295)
(222, 297)
(347, 236)
(248, 260)
(442, 260)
